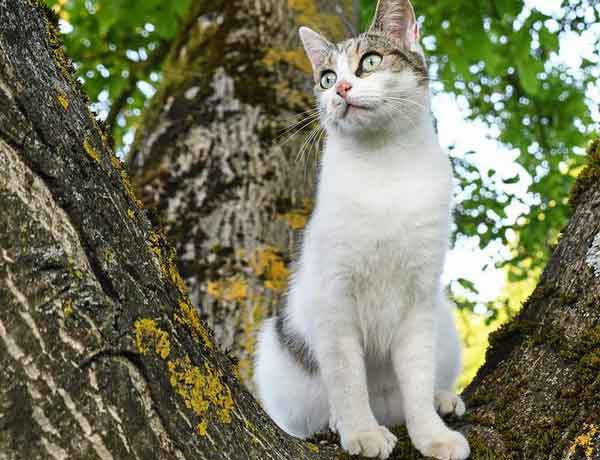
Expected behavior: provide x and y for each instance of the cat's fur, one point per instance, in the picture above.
(367, 339)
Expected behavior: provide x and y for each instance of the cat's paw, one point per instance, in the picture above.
(449, 445)
(376, 442)
(447, 403)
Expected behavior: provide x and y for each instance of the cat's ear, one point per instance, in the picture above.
(397, 19)
(316, 46)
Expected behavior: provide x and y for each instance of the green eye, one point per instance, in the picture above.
(328, 79)
(371, 61)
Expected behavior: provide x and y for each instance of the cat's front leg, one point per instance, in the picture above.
(413, 358)
(341, 360)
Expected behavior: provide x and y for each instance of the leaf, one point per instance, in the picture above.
(166, 26)
(509, 8)
(512, 180)
(468, 285)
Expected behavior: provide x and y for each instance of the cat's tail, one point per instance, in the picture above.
(292, 398)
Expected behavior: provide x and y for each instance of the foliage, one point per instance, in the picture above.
(118, 47)
(502, 57)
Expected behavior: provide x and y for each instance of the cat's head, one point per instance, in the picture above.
(375, 81)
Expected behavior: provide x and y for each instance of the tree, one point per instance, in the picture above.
(210, 159)
(103, 356)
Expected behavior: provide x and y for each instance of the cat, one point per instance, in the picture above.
(367, 339)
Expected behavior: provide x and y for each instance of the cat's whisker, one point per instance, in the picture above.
(409, 101)
(304, 118)
(302, 114)
(307, 122)
(384, 97)
(397, 108)
(312, 147)
(306, 142)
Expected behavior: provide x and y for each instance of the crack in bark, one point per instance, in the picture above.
(140, 381)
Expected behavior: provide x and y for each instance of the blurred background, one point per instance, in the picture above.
(515, 93)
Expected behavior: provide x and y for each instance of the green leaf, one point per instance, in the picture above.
(468, 285)
(512, 180)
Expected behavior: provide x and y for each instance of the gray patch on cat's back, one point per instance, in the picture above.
(593, 256)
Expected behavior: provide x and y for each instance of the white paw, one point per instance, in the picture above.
(449, 445)
(447, 403)
(377, 442)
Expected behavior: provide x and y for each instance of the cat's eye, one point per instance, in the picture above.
(370, 62)
(328, 79)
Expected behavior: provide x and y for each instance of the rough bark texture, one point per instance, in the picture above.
(101, 353)
(210, 159)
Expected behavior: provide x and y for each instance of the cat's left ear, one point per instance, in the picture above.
(316, 46)
(397, 19)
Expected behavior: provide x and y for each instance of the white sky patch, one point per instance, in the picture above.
(593, 256)
(547, 7)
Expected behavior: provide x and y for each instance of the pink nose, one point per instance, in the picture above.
(343, 88)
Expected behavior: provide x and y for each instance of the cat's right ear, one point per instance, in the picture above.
(316, 46)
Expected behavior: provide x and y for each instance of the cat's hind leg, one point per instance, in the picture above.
(448, 364)
(449, 403)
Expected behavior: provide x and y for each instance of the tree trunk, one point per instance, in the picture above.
(211, 160)
(103, 356)
(537, 396)
(101, 353)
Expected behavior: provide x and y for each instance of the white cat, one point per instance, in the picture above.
(367, 339)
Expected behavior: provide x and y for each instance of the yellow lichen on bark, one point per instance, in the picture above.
(308, 14)
(186, 313)
(584, 443)
(150, 338)
(269, 265)
(68, 308)
(188, 316)
(201, 390)
(298, 218)
(250, 324)
(296, 57)
(91, 151)
(203, 428)
(63, 101)
(234, 289)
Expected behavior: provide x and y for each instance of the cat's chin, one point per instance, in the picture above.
(359, 121)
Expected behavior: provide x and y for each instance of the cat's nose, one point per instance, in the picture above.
(343, 88)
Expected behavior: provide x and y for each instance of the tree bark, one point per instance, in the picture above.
(103, 356)
(101, 353)
(211, 160)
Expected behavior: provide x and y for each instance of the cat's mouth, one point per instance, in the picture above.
(354, 108)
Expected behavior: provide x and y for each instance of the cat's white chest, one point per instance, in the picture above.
(382, 229)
